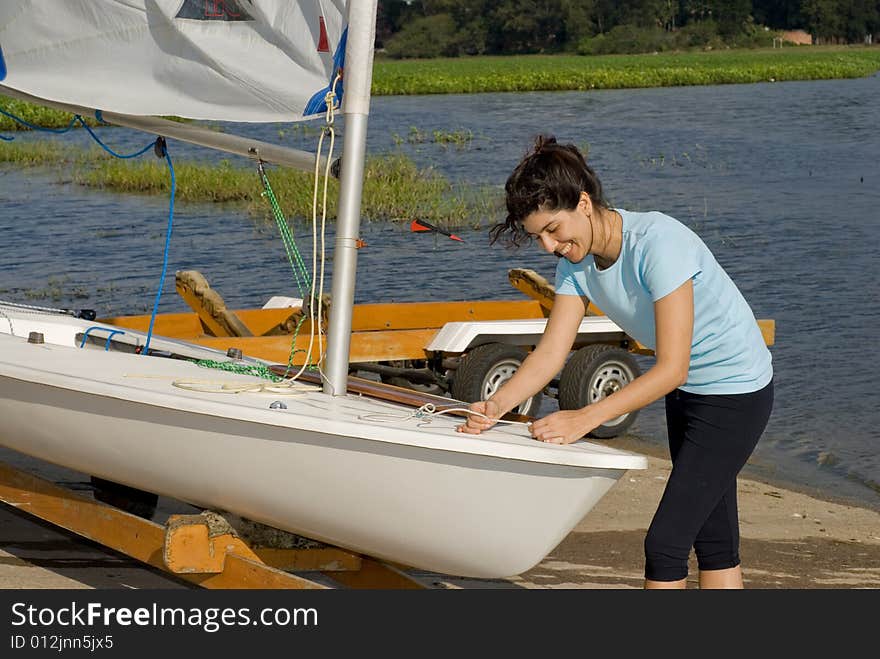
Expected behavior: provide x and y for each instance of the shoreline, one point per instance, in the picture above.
(757, 472)
(789, 539)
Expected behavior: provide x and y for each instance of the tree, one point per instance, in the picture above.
(392, 15)
(578, 19)
(732, 16)
(779, 14)
(823, 19)
(526, 26)
(427, 36)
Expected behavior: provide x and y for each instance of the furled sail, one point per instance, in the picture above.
(230, 60)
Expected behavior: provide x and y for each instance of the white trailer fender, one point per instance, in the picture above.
(462, 336)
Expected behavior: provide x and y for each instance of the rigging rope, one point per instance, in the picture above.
(162, 150)
(301, 274)
(428, 412)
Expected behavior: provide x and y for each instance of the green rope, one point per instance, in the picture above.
(256, 370)
(300, 272)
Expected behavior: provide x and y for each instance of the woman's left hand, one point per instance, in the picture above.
(562, 427)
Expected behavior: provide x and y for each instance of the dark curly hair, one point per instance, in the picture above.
(550, 177)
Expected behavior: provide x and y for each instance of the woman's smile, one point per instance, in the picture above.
(563, 250)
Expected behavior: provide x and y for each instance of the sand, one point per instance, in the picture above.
(788, 540)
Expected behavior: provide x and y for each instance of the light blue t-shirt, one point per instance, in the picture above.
(659, 254)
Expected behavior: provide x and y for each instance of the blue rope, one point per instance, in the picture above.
(113, 332)
(107, 148)
(167, 244)
(35, 127)
(157, 144)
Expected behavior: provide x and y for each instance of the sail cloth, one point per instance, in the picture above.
(228, 60)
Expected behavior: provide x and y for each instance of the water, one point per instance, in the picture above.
(781, 181)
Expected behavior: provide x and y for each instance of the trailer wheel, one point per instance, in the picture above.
(483, 370)
(591, 374)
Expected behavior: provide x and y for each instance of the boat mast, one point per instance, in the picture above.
(358, 77)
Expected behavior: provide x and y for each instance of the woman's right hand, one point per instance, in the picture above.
(486, 413)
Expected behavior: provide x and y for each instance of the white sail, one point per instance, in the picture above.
(231, 60)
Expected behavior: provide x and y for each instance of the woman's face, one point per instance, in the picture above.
(565, 233)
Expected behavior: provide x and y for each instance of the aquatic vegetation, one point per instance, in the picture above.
(395, 189)
(31, 154)
(461, 138)
(56, 290)
(574, 72)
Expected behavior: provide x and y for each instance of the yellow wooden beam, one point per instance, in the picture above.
(425, 315)
(192, 286)
(263, 321)
(376, 574)
(538, 288)
(365, 346)
(192, 547)
(128, 534)
(768, 330)
(177, 325)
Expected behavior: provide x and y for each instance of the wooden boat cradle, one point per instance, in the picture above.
(192, 547)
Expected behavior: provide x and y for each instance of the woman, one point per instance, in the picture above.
(658, 281)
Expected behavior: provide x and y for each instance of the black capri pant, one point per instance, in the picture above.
(710, 439)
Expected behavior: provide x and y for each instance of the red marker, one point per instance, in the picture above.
(421, 225)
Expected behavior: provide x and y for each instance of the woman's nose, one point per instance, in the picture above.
(548, 243)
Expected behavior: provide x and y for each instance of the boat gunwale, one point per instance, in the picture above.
(506, 445)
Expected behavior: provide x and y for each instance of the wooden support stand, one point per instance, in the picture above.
(194, 548)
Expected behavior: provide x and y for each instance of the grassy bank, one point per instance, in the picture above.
(395, 189)
(573, 72)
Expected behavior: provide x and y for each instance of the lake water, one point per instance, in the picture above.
(781, 180)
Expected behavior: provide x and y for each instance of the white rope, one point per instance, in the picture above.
(220, 387)
(287, 388)
(317, 318)
(428, 412)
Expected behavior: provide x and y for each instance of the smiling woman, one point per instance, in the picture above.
(658, 281)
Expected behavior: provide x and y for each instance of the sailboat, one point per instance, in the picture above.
(372, 476)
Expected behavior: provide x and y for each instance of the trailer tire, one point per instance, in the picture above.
(591, 374)
(483, 370)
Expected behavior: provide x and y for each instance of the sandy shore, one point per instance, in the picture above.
(789, 540)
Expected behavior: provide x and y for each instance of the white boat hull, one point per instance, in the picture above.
(402, 490)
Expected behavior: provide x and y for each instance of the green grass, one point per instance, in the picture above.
(395, 189)
(575, 72)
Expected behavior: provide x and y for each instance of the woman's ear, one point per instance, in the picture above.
(586, 204)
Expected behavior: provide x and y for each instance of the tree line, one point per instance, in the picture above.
(435, 28)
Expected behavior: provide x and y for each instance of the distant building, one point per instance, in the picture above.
(799, 37)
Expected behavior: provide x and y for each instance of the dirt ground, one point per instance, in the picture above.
(788, 540)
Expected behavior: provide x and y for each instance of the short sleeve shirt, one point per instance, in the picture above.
(658, 255)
